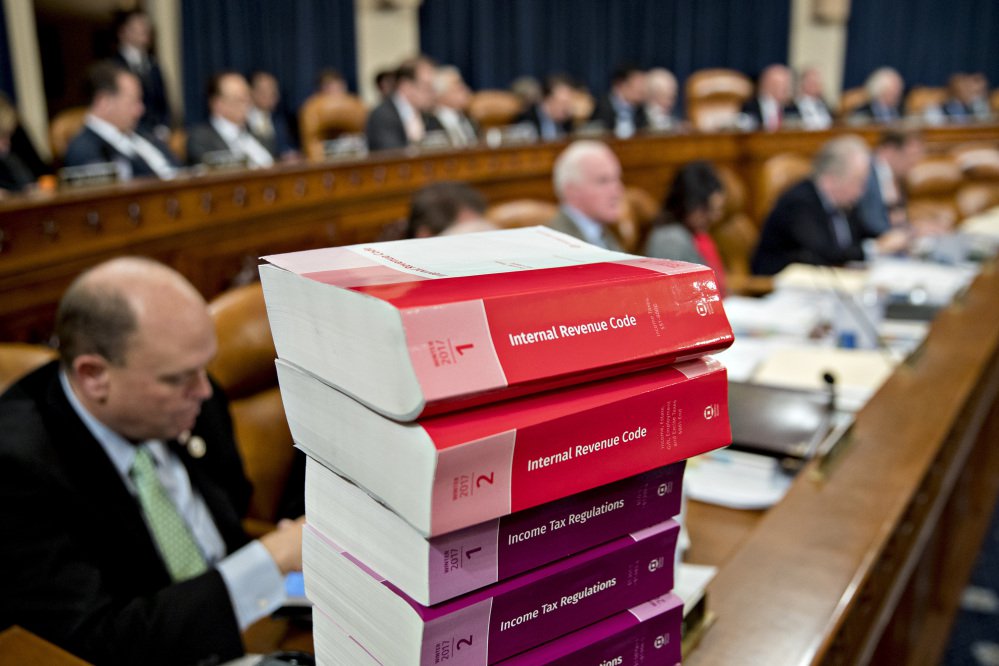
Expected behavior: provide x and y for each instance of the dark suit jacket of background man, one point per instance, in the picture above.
(799, 230)
(80, 568)
(88, 147)
(153, 93)
(533, 116)
(604, 113)
(204, 138)
(384, 128)
(751, 107)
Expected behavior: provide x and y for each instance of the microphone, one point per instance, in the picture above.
(830, 380)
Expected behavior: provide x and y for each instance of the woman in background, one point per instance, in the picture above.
(695, 201)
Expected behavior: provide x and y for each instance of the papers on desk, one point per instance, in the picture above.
(985, 224)
(821, 278)
(690, 582)
(923, 280)
(787, 313)
(736, 480)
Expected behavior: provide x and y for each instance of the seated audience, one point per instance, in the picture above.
(453, 97)
(769, 107)
(528, 89)
(226, 130)
(968, 98)
(809, 104)
(695, 201)
(814, 222)
(404, 118)
(266, 120)
(135, 40)
(446, 208)
(622, 110)
(552, 116)
(884, 91)
(660, 99)
(882, 207)
(110, 131)
(123, 487)
(587, 181)
(15, 175)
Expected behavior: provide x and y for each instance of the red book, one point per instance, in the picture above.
(451, 471)
(420, 327)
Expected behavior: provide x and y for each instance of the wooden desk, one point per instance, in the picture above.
(864, 561)
(213, 227)
(19, 647)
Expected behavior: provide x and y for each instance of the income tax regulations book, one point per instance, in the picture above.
(498, 621)
(447, 472)
(645, 635)
(434, 570)
(424, 326)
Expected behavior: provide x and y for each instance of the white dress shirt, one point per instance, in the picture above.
(814, 114)
(132, 145)
(242, 143)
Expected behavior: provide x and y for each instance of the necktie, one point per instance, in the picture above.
(841, 230)
(180, 553)
(414, 127)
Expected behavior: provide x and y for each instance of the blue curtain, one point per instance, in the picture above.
(293, 39)
(494, 41)
(6, 74)
(925, 40)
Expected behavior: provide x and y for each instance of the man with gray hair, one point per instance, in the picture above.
(453, 97)
(660, 99)
(587, 180)
(813, 222)
(884, 92)
(121, 488)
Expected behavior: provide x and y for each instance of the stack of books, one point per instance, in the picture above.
(496, 425)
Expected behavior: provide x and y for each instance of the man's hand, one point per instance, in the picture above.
(285, 544)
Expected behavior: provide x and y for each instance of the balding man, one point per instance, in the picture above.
(453, 97)
(773, 94)
(121, 489)
(660, 102)
(110, 131)
(813, 222)
(227, 131)
(884, 92)
(587, 180)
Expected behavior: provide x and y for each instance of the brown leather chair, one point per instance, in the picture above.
(977, 161)
(521, 213)
(851, 100)
(494, 108)
(994, 101)
(976, 197)
(922, 98)
(18, 359)
(244, 367)
(714, 97)
(932, 186)
(64, 126)
(736, 237)
(324, 117)
(640, 211)
(582, 107)
(776, 175)
(178, 144)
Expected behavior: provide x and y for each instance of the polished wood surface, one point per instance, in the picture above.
(213, 227)
(865, 559)
(19, 647)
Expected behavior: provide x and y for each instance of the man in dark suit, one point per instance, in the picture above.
(135, 39)
(226, 130)
(552, 116)
(453, 97)
(769, 107)
(622, 110)
(884, 91)
(812, 222)
(882, 207)
(587, 181)
(404, 119)
(110, 131)
(266, 120)
(809, 105)
(121, 490)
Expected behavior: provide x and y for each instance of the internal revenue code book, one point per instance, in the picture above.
(426, 326)
(447, 472)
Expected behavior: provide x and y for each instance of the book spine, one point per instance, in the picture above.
(479, 350)
(647, 634)
(478, 556)
(520, 469)
(570, 597)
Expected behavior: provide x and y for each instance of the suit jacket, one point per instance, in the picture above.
(533, 116)
(752, 108)
(280, 142)
(604, 113)
(799, 229)
(877, 113)
(80, 568)
(88, 147)
(153, 93)
(562, 222)
(385, 130)
(871, 208)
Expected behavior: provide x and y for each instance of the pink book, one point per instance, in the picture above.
(496, 622)
(419, 327)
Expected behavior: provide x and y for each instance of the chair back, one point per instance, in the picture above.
(640, 211)
(244, 367)
(932, 187)
(324, 117)
(977, 161)
(922, 98)
(521, 213)
(777, 174)
(18, 359)
(64, 126)
(714, 97)
(976, 197)
(494, 108)
(851, 100)
(582, 107)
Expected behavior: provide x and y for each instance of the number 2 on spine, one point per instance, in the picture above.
(464, 642)
(483, 478)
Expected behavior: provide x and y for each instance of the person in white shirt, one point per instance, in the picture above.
(110, 133)
(405, 118)
(811, 107)
(226, 130)
(660, 99)
(773, 93)
(453, 97)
